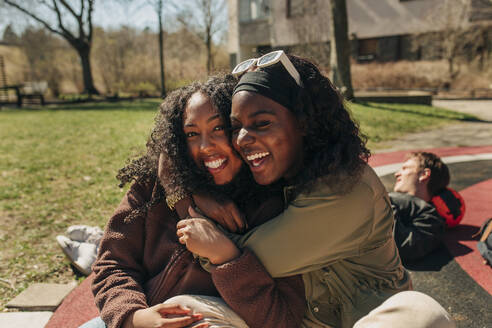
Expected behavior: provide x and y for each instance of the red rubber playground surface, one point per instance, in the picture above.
(454, 275)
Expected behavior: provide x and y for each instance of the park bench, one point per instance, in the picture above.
(4, 93)
(28, 90)
(33, 90)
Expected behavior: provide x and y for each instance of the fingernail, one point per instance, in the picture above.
(197, 316)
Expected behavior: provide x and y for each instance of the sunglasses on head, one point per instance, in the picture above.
(268, 59)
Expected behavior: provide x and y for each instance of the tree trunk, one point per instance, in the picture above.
(84, 54)
(161, 55)
(208, 43)
(340, 48)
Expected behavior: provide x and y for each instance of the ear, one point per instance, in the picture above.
(425, 175)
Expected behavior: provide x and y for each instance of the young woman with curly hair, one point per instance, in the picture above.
(290, 124)
(141, 263)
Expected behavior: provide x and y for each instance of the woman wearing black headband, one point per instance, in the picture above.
(141, 263)
(336, 230)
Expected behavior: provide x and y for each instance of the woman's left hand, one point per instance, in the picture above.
(203, 238)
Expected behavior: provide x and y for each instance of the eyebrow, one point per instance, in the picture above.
(258, 112)
(210, 119)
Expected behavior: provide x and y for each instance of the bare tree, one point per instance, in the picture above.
(40, 48)
(52, 15)
(158, 6)
(206, 18)
(340, 48)
(313, 30)
(158, 10)
(457, 37)
(310, 28)
(9, 35)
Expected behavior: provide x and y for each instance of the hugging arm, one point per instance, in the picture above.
(242, 280)
(263, 301)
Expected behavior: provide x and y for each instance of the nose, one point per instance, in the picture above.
(244, 138)
(397, 174)
(206, 144)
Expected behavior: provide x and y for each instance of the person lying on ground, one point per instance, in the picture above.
(419, 228)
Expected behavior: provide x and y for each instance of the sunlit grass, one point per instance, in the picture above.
(58, 167)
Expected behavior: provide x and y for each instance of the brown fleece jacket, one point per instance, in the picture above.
(141, 263)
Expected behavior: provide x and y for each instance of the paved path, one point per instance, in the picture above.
(463, 134)
(480, 108)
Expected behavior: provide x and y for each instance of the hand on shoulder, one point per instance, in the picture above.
(223, 211)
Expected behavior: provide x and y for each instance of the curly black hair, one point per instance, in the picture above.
(168, 138)
(334, 147)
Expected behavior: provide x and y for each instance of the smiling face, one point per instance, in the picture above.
(208, 143)
(268, 137)
(408, 177)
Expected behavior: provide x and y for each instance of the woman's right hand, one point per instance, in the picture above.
(203, 238)
(224, 212)
(163, 316)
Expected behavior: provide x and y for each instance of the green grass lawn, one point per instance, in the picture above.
(58, 167)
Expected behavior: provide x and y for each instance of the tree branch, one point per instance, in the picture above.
(47, 4)
(36, 18)
(76, 16)
(82, 8)
(66, 33)
(70, 9)
(89, 19)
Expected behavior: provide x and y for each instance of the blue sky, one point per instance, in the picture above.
(108, 14)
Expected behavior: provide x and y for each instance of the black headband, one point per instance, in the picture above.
(274, 83)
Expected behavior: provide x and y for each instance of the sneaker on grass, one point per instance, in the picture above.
(84, 233)
(80, 254)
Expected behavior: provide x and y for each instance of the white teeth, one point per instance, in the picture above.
(257, 155)
(215, 164)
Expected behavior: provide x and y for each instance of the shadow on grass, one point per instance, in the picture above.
(456, 116)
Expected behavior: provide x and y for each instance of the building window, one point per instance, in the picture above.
(367, 49)
(251, 10)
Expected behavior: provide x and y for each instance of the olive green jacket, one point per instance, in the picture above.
(343, 246)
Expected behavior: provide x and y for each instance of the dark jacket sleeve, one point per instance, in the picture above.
(418, 227)
(118, 270)
(255, 296)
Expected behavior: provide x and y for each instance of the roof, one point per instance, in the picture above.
(378, 18)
